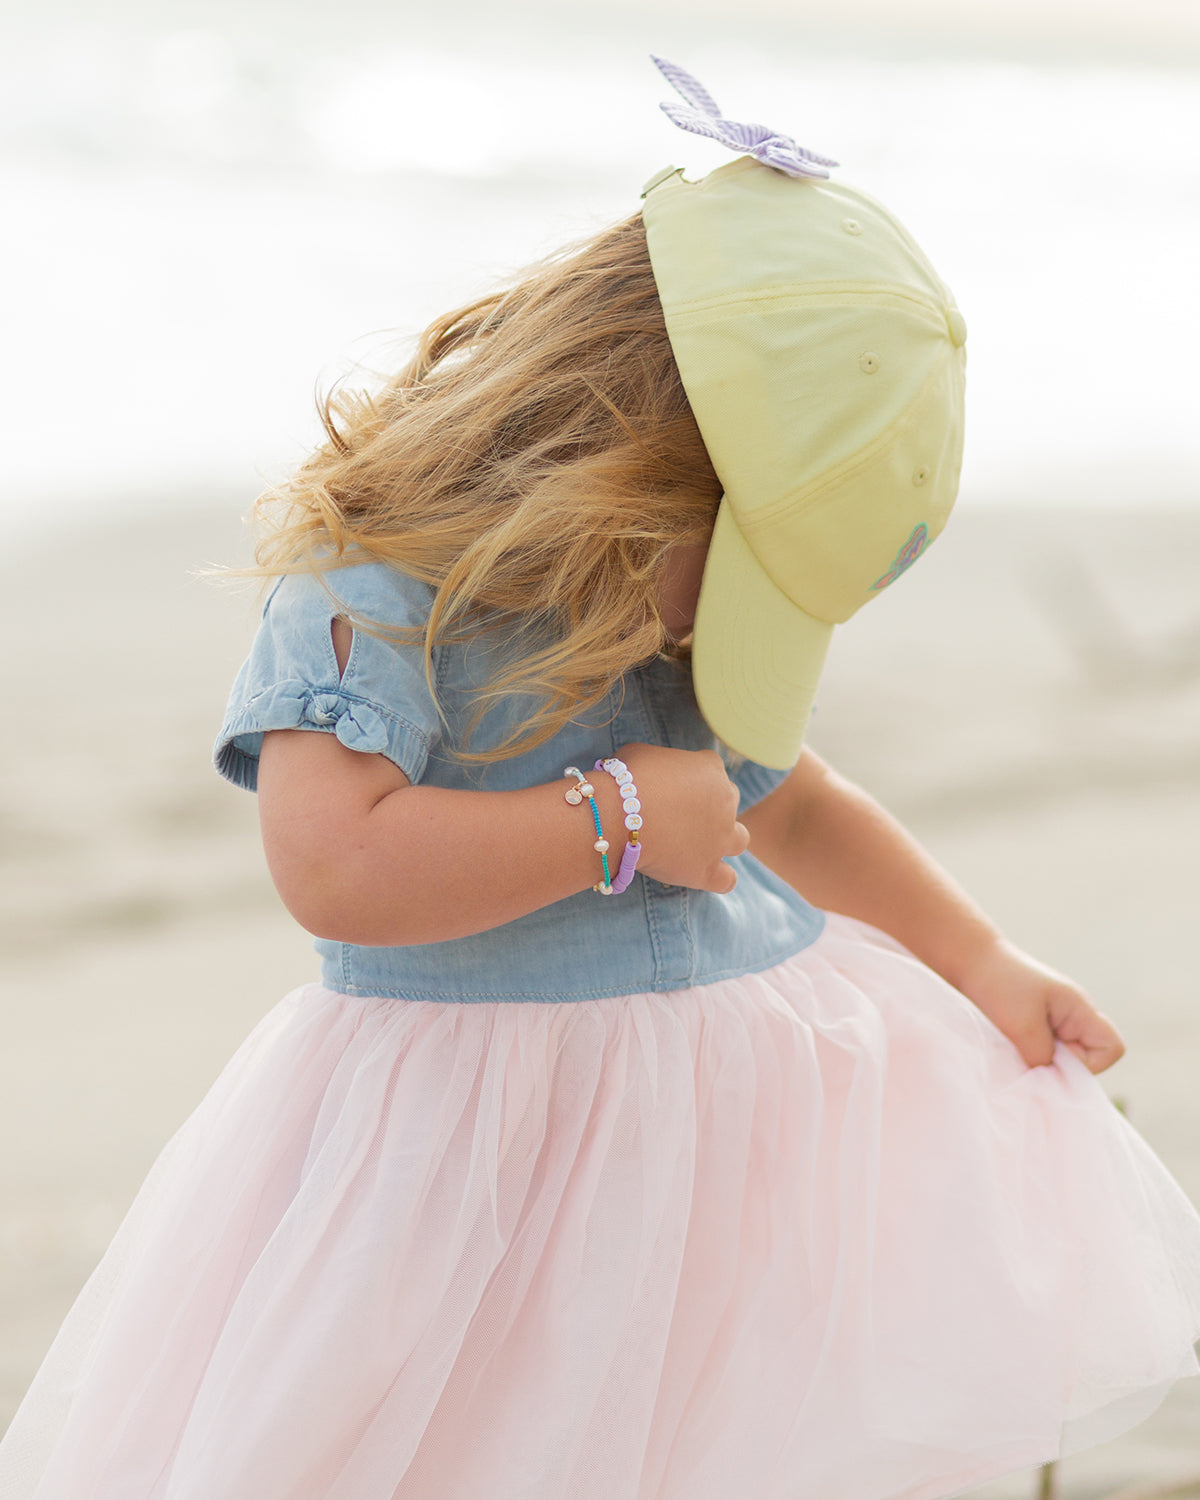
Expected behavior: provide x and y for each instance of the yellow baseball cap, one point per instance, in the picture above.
(823, 358)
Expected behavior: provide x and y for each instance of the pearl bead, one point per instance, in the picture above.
(601, 846)
(587, 789)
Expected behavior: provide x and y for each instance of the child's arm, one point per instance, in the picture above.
(837, 846)
(361, 856)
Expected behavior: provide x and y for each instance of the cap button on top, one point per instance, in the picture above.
(957, 325)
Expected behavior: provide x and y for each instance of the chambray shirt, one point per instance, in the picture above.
(587, 946)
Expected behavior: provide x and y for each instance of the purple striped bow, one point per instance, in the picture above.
(702, 115)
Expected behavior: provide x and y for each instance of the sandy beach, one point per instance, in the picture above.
(1028, 699)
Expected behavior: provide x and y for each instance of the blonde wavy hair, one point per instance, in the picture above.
(534, 463)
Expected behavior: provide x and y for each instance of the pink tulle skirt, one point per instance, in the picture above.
(810, 1234)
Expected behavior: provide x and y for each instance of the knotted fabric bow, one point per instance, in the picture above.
(702, 116)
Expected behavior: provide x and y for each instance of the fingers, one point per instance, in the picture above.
(1098, 1046)
(1097, 1059)
(1112, 1052)
(1035, 1042)
(1084, 1030)
(724, 876)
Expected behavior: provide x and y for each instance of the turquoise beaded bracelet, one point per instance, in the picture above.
(583, 788)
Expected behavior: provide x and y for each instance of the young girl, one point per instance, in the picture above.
(602, 1165)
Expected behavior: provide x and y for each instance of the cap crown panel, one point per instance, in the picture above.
(792, 231)
(815, 344)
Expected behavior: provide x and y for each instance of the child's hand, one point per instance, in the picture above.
(1034, 1006)
(690, 808)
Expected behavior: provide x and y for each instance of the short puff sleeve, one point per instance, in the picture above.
(381, 704)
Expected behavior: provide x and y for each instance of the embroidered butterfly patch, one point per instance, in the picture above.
(906, 556)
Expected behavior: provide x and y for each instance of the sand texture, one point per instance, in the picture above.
(1028, 699)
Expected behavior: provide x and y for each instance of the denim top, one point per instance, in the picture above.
(587, 946)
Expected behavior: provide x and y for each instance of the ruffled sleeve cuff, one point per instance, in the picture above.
(358, 724)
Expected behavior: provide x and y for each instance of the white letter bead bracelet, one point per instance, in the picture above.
(632, 808)
(611, 885)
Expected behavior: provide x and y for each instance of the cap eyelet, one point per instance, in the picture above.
(851, 226)
(868, 363)
(920, 474)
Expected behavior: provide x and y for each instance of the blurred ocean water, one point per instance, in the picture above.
(210, 210)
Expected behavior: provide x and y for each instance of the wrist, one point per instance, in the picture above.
(977, 960)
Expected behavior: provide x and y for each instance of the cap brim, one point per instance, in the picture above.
(756, 657)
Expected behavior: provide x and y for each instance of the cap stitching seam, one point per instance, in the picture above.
(832, 292)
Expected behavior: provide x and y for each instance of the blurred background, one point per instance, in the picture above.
(212, 208)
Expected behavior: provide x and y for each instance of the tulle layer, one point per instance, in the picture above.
(812, 1234)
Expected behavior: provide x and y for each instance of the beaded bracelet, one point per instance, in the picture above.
(583, 788)
(623, 776)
